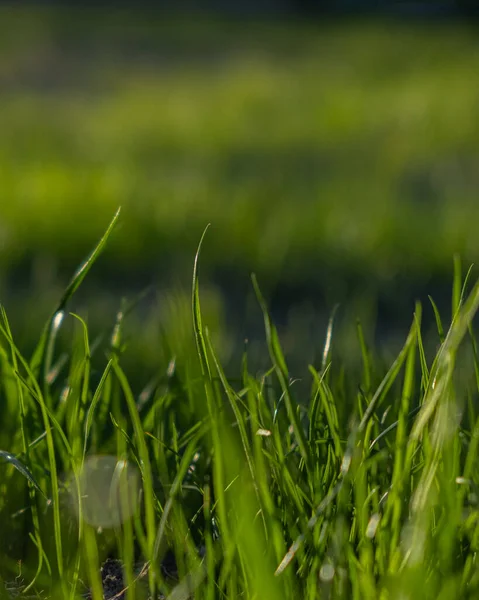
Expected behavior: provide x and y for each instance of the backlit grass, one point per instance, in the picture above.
(353, 484)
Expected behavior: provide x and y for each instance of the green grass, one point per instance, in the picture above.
(350, 484)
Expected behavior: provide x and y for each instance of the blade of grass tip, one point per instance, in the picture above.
(459, 290)
(79, 411)
(425, 371)
(197, 322)
(126, 308)
(213, 411)
(393, 426)
(42, 356)
(437, 316)
(464, 285)
(54, 327)
(328, 339)
(389, 378)
(10, 458)
(94, 402)
(281, 370)
(466, 281)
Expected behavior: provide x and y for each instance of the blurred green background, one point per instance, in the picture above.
(337, 159)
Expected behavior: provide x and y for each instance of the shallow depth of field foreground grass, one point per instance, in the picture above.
(365, 489)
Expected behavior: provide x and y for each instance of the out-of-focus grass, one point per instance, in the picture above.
(351, 145)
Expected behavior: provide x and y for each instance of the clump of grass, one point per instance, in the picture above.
(366, 488)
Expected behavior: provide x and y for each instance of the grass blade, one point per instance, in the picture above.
(43, 354)
(9, 458)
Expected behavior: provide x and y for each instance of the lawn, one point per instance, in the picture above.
(237, 437)
(362, 484)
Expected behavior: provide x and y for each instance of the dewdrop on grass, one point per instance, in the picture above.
(109, 489)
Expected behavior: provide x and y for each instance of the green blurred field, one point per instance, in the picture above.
(321, 153)
(337, 160)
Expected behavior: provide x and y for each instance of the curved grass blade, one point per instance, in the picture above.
(329, 410)
(197, 322)
(328, 339)
(390, 377)
(437, 316)
(126, 308)
(94, 402)
(13, 460)
(392, 427)
(213, 410)
(459, 289)
(442, 370)
(42, 356)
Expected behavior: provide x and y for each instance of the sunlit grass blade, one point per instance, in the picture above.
(42, 357)
(389, 379)
(197, 320)
(94, 402)
(444, 365)
(211, 404)
(459, 287)
(437, 316)
(9, 458)
(328, 339)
